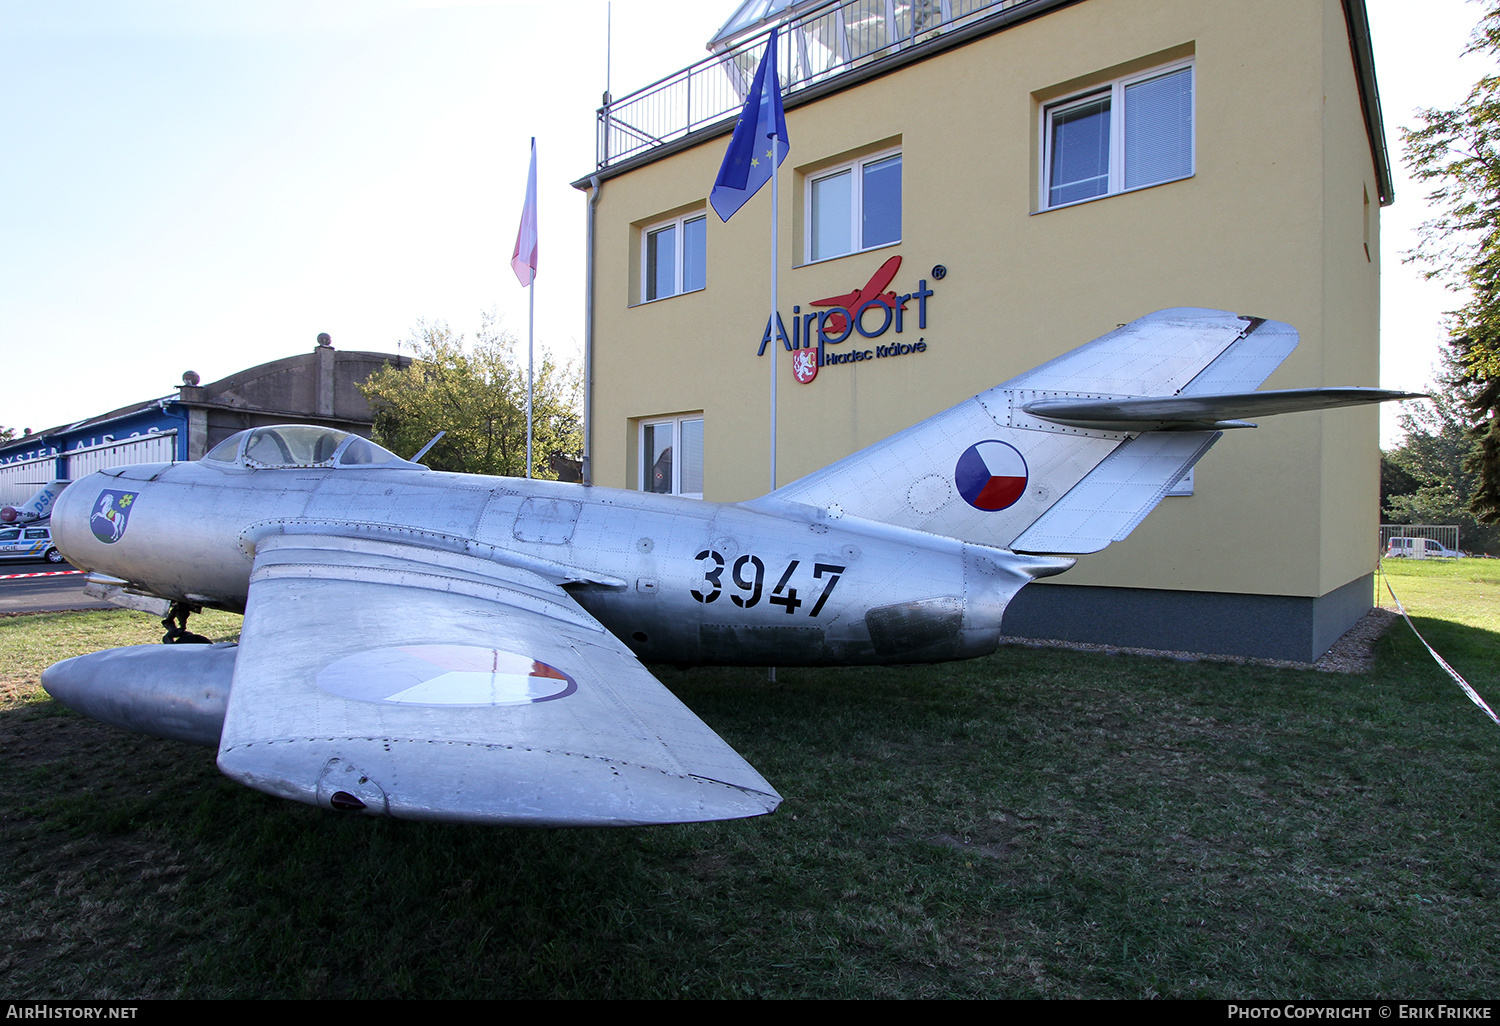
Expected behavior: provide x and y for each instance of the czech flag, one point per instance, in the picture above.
(523, 259)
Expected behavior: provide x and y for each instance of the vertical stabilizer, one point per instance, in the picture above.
(37, 507)
(986, 471)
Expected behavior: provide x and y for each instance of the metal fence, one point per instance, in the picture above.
(20, 480)
(157, 447)
(824, 41)
(1444, 535)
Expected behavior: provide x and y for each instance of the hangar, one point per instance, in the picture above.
(1024, 175)
(318, 387)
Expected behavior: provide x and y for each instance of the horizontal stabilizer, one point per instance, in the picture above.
(1200, 412)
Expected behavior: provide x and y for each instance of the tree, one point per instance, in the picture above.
(477, 394)
(6, 434)
(1430, 477)
(1459, 150)
(1393, 482)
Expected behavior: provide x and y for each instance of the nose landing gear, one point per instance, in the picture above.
(176, 624)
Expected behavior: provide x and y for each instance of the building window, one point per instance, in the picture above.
(1129, 134)
(672, 456)
(853, 207)
(675, 257)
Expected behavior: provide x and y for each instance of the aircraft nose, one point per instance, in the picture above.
(70, 517)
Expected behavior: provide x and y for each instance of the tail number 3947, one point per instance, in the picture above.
(747, 578)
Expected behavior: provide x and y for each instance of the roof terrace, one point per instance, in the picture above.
(821, 40)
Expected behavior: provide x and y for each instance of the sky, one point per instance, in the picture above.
(207, 186)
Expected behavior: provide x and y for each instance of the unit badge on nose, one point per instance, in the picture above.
(111, 512)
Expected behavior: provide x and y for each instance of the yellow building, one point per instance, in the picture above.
(1026, 175)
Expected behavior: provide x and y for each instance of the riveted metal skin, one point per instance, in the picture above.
(195, 529)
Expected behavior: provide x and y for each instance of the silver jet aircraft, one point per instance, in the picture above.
(454, 647)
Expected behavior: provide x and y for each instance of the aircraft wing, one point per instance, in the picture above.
(431, 685)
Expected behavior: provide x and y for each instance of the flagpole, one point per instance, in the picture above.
(740, 178)
(775, 343)
(523, 263)
(530, 362)
(529, 211)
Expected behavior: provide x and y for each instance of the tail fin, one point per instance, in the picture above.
(37, 507)
(1073, 454)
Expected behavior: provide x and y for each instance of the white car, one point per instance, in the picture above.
(21, 542)
(1420, 548)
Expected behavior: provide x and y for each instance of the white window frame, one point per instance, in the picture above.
(1117, 142)
(644, 461)
(856, 204)
(679, 242)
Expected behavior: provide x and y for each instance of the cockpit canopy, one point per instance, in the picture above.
(302, 445)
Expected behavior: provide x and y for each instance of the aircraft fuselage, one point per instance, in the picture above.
(678, 580)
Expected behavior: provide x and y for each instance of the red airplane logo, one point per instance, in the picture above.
(852, 301)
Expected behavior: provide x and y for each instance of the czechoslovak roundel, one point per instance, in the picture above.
(445, 675)
(990, 475)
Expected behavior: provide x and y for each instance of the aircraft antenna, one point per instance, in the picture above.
(430, 443)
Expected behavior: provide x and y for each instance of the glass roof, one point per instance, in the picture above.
(753, 14)
(302, 445)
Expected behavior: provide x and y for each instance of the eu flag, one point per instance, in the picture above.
(748, 164)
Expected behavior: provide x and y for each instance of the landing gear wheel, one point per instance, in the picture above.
(176, 624)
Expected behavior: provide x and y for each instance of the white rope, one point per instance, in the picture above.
(1473, 695)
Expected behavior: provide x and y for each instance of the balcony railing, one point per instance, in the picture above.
(819, 44)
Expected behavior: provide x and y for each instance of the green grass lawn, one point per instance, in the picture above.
(1035, 823)
(1461, 591)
